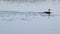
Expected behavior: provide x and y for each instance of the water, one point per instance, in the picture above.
(15, 22)
(9, 15)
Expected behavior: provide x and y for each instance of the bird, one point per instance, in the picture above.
(48, 12)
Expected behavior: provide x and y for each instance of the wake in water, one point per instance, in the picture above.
(14, 15)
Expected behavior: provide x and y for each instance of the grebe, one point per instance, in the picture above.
(48, 12)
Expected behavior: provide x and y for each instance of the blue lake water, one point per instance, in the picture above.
(16, 19)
